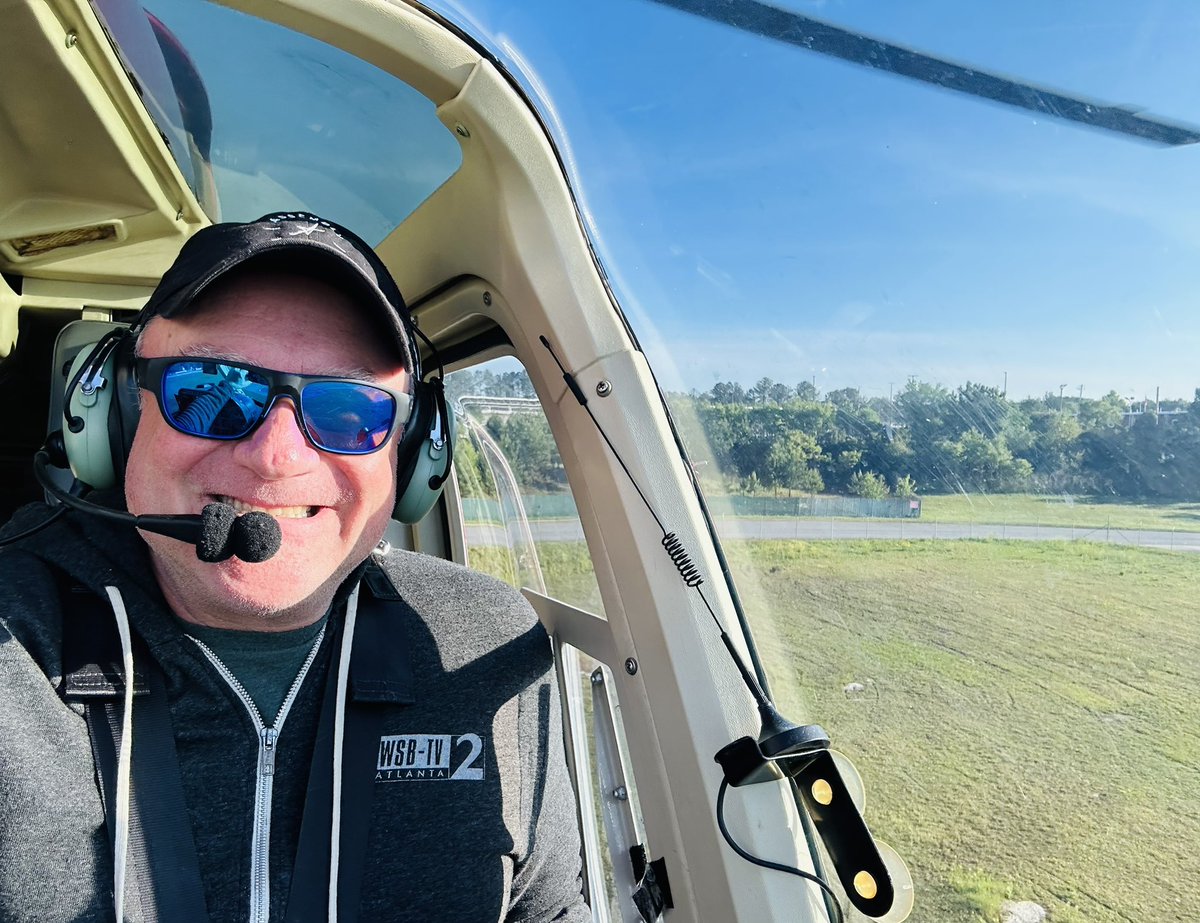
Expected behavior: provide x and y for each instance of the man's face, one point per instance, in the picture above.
(331, 509)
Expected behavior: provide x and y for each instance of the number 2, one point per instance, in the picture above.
(467, 768)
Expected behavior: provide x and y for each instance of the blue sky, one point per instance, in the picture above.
(764, 210)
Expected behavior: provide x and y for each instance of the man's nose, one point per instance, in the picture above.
(277, 448)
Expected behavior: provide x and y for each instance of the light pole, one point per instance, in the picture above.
(1061, 389)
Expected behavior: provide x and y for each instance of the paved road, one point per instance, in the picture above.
(562, 530)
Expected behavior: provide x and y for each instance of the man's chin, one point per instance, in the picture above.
(274, 595)
(273, 598)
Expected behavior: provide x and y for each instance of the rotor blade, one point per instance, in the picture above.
(815, 35)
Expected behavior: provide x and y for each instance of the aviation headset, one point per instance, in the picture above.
(101, 405)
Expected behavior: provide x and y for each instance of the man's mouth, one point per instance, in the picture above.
(279, 512)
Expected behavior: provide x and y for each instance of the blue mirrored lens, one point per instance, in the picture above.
(347, 417)
(211, 399)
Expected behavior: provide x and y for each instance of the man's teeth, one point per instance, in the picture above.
(279, 512)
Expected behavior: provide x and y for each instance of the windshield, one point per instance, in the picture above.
(932, 354)
(280, 121)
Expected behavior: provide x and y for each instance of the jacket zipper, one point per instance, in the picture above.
(268, 741)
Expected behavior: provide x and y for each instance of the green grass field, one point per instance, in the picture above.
(1028, 727)
(1029, 721)
(1080, 512)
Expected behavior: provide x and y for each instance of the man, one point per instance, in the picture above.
(340, 719)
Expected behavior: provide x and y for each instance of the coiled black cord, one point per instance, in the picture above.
(682, 560)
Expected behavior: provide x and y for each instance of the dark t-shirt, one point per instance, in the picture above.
(265, 662)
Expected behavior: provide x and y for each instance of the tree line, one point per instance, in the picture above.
(935, 439)
(925, 439)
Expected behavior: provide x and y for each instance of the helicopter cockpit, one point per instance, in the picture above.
(821, 373)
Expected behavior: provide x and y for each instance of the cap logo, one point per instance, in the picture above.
(314, 225)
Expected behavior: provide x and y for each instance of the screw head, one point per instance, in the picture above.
(631, 666)
(597, 676)
(72, 39)
(621, 793)
(604, 387)
(487, 298)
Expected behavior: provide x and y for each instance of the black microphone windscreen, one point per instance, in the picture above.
(216, 527)
(256, 537)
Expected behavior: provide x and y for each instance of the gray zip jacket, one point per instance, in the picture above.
(455, 801)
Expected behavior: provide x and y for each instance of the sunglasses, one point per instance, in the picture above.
(218, 399)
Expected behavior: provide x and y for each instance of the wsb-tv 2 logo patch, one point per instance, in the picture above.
(429, 757)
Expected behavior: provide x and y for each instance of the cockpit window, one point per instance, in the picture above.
(919, 283)
(261, 119)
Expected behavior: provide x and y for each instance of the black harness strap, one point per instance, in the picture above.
(309, 893)
(162, 863)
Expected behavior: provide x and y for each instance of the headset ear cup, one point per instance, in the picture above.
(87, 442)
(424, 463)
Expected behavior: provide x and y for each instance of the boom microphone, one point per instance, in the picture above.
(257, 536)
(219, 533)
(253, 536)
(214, 542)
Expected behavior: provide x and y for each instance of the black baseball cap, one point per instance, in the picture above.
(339, 254)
